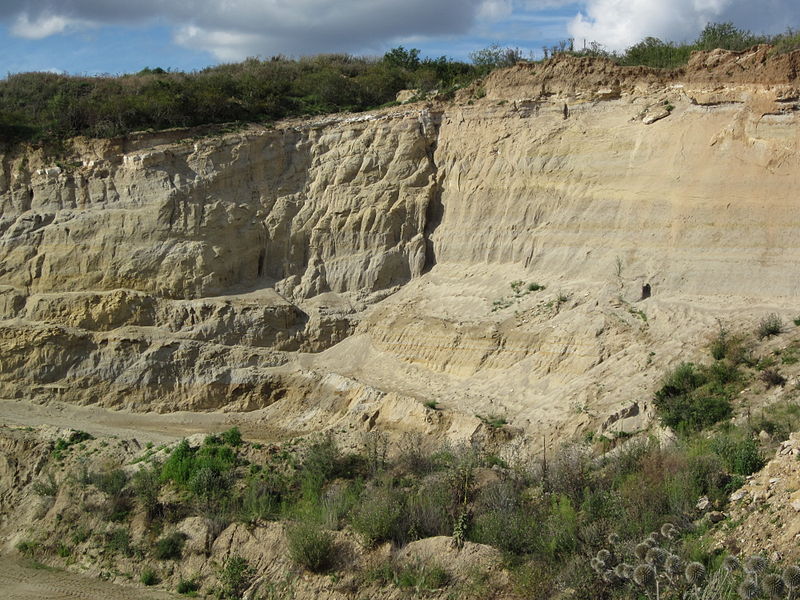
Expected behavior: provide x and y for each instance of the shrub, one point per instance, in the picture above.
(693, 398)
(741, 456)
(422, 577)
(203, 471)
(170, 547)
(310, 546)
(149, 577)
(187, 586)
(118, 541)
(772, 378)
(377, 518)
(146, 485)
(80, 535)
(232, 437)
(27, 548)
(493, 420)
(769, 326)
(235, 578)
(49, 487)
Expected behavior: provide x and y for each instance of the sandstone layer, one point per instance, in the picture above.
(347, 271)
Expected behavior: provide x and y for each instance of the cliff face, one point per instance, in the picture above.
(172, 273)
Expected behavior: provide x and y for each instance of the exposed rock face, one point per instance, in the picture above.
(166, 273)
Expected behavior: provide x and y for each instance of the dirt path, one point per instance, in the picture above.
(20, 580)
(145, 427)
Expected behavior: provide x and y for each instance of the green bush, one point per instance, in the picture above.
(235, 577)
(232, 437)
(118, 541)
(149, 577)
(692, 398)
(27, 548)
(378, 516)
(203, 471)
(740, 455)
(422, 577)
(310, 546)
(146, 484)
(170, 547)
(187, 586)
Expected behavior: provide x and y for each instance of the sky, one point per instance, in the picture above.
(122, 36)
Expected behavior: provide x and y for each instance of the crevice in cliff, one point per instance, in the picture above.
(434, 212)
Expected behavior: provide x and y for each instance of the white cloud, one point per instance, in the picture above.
(234, 29)
(619, 24)
(44, 25)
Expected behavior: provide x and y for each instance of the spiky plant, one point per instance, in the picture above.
(623, 571)
(596, 564)
(604, 556)
(668, 530)
(611, 578)
(628, 571)
(730, 563)
(773, 586)
(613, 539)
(756, 564)
(791, 577)
(641, 550)
(645, 576)
(695, 574)
(748, 589)
(652, 541)
(656, 557)
(674, 564)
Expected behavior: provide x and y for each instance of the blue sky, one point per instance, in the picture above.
(117, 36)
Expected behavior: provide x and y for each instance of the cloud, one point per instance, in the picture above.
(234, 29)
(44, 25)
(619, 24)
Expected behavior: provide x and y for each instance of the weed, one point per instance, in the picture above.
(49, 487)
(769, 326)
(149, 577)
(170, 547)
(28, 548)
(377, 517)
(310, 546)
(187, 586)
(432, 404)
(235, 577)
(494, 421)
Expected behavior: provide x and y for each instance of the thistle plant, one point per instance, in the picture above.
(748, 589)
(695, 574)
(773, 586)
(659, 572)
(791, 577)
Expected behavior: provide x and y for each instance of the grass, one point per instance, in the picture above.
(493, 420)
(310, 546)
(769, 326)
(170, 547)
(149, 577)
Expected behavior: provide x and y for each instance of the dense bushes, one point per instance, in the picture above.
(51, 106)
(694, 397)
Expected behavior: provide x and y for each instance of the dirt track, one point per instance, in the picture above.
(19, 580)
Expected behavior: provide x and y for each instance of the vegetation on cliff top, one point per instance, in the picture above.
(50, 107)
